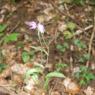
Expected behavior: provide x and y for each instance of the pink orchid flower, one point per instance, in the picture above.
(41, 28)
(31, 24)
(34, 25)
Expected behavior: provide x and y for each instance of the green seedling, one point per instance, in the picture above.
(79, 44)
(15, 1)
(1, 56)
(34, 73)
(79, 2)
(2, 67)
(62, 48)
(66, 1)
(25, 56)
(2, 27)
(68, 34)
(71, 26)
(84, 75)
(60, 66)
(84, 58)
(11, 37)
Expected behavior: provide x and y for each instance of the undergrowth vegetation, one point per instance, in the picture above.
(65, 53)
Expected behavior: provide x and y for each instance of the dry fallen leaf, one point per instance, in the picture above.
(49, 13)
(55, 93)
(6, 73)
(38, 91)
(17, 79)
(19, 69)
(89, 91)
(9, 52)
(4, 91)
(62, 26)
(10, 8)
(3, 82)
(41, 18)
(70, 86)
(29, 85)
(23, 93)
(92, 65)
(75, 70)
(2, 18)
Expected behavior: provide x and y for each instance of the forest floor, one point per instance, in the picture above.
(60, 61)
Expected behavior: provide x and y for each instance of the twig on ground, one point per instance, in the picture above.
(12, 30)
(19, 6)
(78, 32)
(66, 14)
(66, 8)
(71, 57)
(92, 37)
(7, 90)
(54, 37)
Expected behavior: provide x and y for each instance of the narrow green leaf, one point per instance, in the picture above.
(82, 82)
(79, 44)
(25, 56)
(46, 84)
(79, 2)
(55, 74)
(2, 67)
(51, 75)
(2, 27)
(11, 37)
(33, 71)
(71, 26)
(62, 47)
(67, 34)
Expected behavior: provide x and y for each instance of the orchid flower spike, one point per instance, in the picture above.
(33, 25)
(40, 28)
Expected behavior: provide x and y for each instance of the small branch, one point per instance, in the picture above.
(92, 36)
(66, 14)
(14, 28)
(78, 32)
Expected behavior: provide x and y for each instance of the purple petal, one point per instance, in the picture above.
(31, 24)
(41, 28)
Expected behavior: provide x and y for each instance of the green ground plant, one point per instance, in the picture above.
(78, 2)
(25, 56)
(79, 44)
(62, 47)
(34, 73)
(86, 57)
(7, 38)
(84, 75)
(43, 48)
(60, 66)
(11, 37)
(51, 75)
(2, 67)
